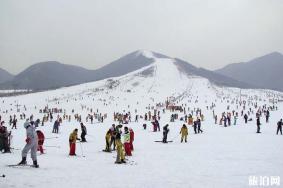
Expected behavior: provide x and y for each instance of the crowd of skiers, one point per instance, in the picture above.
(120, 140)
(120, 137)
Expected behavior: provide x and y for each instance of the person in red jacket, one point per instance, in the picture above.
(127, 139)
(132, 137)
(41, 138)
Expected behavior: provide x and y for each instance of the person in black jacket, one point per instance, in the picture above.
(258, 124)
(199, 125)
(279, 126)
(83, 134)
(195, 126)
(165, 133)
(246, 118)
(267, 116)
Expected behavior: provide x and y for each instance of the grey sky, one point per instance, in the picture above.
(91, 33)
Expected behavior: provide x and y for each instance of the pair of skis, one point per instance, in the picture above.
(26, 165)
(163, 142)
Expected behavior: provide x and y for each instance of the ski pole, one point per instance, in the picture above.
(52, 137)
(82, 149)
(52, 146)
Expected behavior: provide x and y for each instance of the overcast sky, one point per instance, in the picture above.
(92, 33)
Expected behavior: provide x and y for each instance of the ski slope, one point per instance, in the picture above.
(220, 157)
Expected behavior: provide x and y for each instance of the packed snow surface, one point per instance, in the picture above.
(219, 157)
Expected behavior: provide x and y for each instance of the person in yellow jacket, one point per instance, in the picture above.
(202, 117)
(184, 133)
(72, 141)
(108, 140)
(120, 149)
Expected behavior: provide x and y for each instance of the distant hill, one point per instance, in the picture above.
(214, 77)
(264, 72)
(5, 76)
(48, 75)
(52, 74)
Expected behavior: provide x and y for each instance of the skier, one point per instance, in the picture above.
(4, 139)
(195, 126)
(84, 132)
(31, 144)
(108, 140)
(113, 134)
(14, 122)
(258, 124)
(41, 138)
(120, 150)
(72, 142)
(279, 126)
(235, 120)
(157, 124)
(199, 125)
(215, 119)
(132, 138)
(56, 126)
(127, 138)
(165, 133)
(154, 126)
(246, 118)
(184, 133)
(267, 116)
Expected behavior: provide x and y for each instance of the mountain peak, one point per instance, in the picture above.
(145, 53)
(271, 57)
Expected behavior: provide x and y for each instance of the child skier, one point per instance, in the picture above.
(41, 138)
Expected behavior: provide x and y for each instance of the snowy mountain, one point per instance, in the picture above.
(5, 76)
(263, 72)
(51, 75)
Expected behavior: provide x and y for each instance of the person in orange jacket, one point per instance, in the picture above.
(41, 138)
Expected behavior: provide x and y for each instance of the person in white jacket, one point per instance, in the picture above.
(31, 144)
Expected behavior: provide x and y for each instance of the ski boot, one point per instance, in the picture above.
(35, 165)
(23, 162)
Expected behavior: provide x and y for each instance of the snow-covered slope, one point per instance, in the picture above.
(220, 157)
